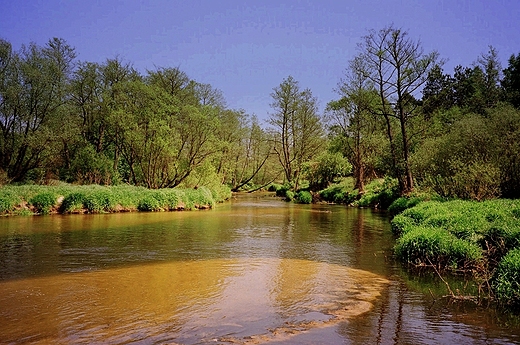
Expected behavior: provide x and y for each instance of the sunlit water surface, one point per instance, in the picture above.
(254, 270)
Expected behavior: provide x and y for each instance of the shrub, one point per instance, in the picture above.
(282, 190)
(72, 202)
(506, 280)
(326, 169)
(402, 203)
(99, 201)
(303, 197)
(402, 224)
(44, 202)
(148, 204)
(379, 194)
(289, 195)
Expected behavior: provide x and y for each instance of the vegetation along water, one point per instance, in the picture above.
(440, 151)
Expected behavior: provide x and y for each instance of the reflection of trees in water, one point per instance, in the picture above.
(383, 324)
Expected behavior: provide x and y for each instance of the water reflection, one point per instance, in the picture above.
(231, 300)
(254, 270)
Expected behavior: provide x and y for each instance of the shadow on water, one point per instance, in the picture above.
(254, 270)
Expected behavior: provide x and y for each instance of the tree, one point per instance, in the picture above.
(437, 91)
(297, 126)
(33, 95)
(398, 68)
(354, 126)
(511, 81)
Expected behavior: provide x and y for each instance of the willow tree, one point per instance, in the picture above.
(297, 127)
(33, 83)
(398, 68)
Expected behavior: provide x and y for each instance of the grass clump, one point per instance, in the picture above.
(303, 197)
(338, 195)
(8, 201)
(379, 193)
(491, 226)
(506, 280)
(426, 246)
(44, 202)
(72, 202)
(100, 199)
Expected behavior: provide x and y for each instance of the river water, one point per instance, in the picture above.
(254, 270)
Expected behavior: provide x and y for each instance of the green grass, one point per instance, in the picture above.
(28, 199)
(44, 202)
(303, 197)
(465, 234)
(506, 281)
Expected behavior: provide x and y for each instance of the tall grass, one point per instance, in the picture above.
(465, 234)
(99, 199)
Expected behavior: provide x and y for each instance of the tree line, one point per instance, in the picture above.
(398, 114)
(105, 123)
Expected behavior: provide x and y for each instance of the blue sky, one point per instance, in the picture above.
(246, 48)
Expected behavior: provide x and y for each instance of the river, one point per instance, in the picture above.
(253, 270)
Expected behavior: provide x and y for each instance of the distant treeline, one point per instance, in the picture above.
(398, 114)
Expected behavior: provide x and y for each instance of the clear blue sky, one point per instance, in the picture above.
(246, 48)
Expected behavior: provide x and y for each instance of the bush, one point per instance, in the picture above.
(506, 280)
(402, 224)
(99, 201)
(379, 194)
(338, 195)
(44, 202)
(283, 189)
(72, 202)
(326, 169)
(303, 197)
(289, 195)
(148, 204)
(402, 203)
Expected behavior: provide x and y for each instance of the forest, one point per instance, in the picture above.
(398, 114)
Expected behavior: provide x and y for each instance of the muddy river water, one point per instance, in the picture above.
(254, 270)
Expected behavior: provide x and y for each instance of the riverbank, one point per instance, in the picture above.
(466, 236)
(65, 198)
(481, 239)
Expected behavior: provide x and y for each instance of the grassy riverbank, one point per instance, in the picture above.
(65, 198)
(481, 237)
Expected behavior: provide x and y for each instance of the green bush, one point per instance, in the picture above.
(379, 194)
(44, 202)
(273, 187)
(402, 224)
(303, 197)
(96, 199)
(289, 195)
(282, 190)
(338, 194)
(99, 201)
(506, 280)
(489, 225)
(326, 169)
(149, 204)
(402, 203)
(72, 202)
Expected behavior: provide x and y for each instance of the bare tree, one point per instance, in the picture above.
(398, 68)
